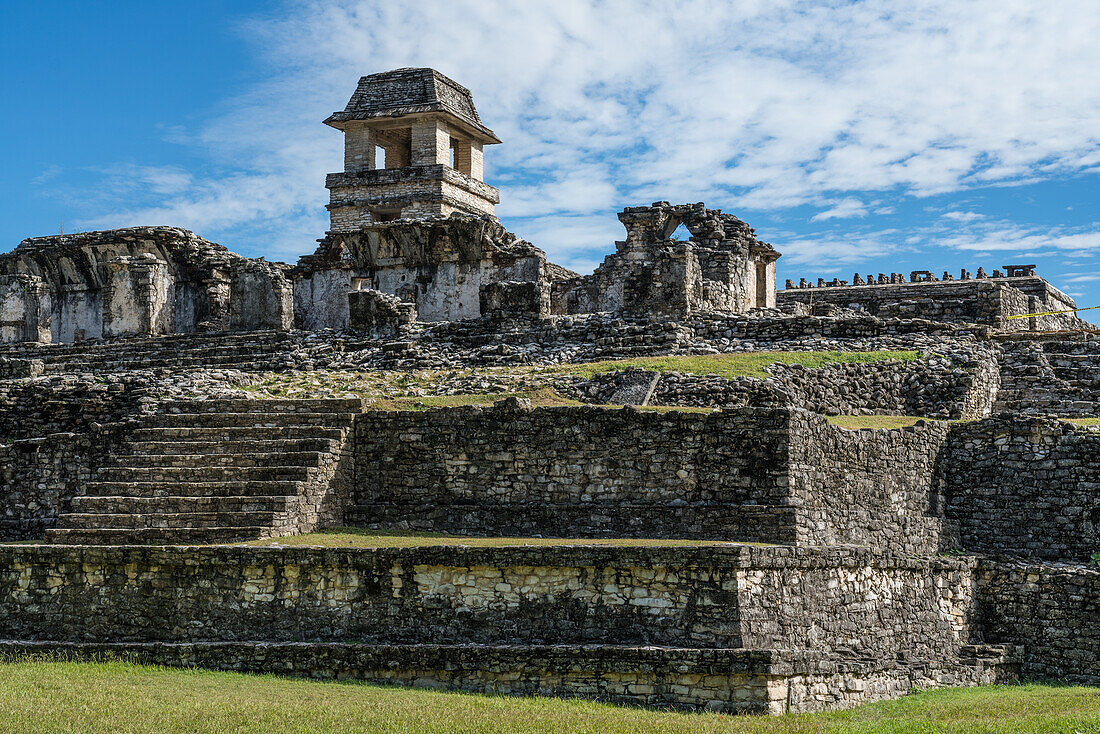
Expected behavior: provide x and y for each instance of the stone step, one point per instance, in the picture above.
(180, 474)
(178, 363)
(728, 680)
(207, 460)
(231, 446)
(235, 433)
(177, 341)
(188, 488)
(128, 505)
(219, 420)
(164, 352)
(155, 536)
(165, 520)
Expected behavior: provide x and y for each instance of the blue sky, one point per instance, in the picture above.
(876, 136)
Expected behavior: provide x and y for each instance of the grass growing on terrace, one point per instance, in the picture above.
(362, 538)
(1083, 421)
(737, 364)
(534, 382)
(855, 422)
(121, 698)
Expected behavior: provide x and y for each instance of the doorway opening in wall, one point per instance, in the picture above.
(680, 234)
(386, 215)
(379, 157)
(761, 285)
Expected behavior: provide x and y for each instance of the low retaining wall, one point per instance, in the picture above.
(728, 681)
(710, 597)
(39, 477)
(1049, 609)
(727, 627)
(767, 475)
(1023, 486)
(936, 387)
(574, 472)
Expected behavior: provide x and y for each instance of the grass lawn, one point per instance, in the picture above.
(361, 538)
(121, 698)
(1083, 421)
(738, 364)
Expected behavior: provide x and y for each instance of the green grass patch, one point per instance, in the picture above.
(364, 538)
(1083, 421)
(543, 398)
(739, 364)
(855, 422)
(122, 698)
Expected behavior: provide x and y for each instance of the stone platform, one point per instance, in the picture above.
(730, 628)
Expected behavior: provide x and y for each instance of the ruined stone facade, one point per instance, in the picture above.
(723, 267)
(135, 282)
(802, 566)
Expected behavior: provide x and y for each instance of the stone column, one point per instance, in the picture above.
(137, 297)
(469, 159)
(359, 148)
(25, 309)
(431, 143)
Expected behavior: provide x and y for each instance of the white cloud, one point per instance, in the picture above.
(963, 216)
(843, 209)
(758, 105)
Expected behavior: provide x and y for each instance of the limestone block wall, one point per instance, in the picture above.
(960, 386)
(574, 471)
(866, 487)
(1023, 486)
(763, 474)
(986, 301)
(38, 478)
(37, 407)
(1050, 609)
(837, 601)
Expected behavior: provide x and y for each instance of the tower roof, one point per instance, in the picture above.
(409, 92)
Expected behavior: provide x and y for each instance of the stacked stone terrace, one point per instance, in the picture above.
(756, 558)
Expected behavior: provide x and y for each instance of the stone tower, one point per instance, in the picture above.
(413, 146)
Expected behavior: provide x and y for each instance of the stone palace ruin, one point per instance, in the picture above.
(807, 566)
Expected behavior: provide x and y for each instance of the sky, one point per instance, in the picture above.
(875, 136)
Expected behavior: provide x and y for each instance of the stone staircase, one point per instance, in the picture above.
(218, 472)
(1050, 375)
(255, 350)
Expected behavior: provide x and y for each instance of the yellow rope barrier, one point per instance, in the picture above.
(1052, 313)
